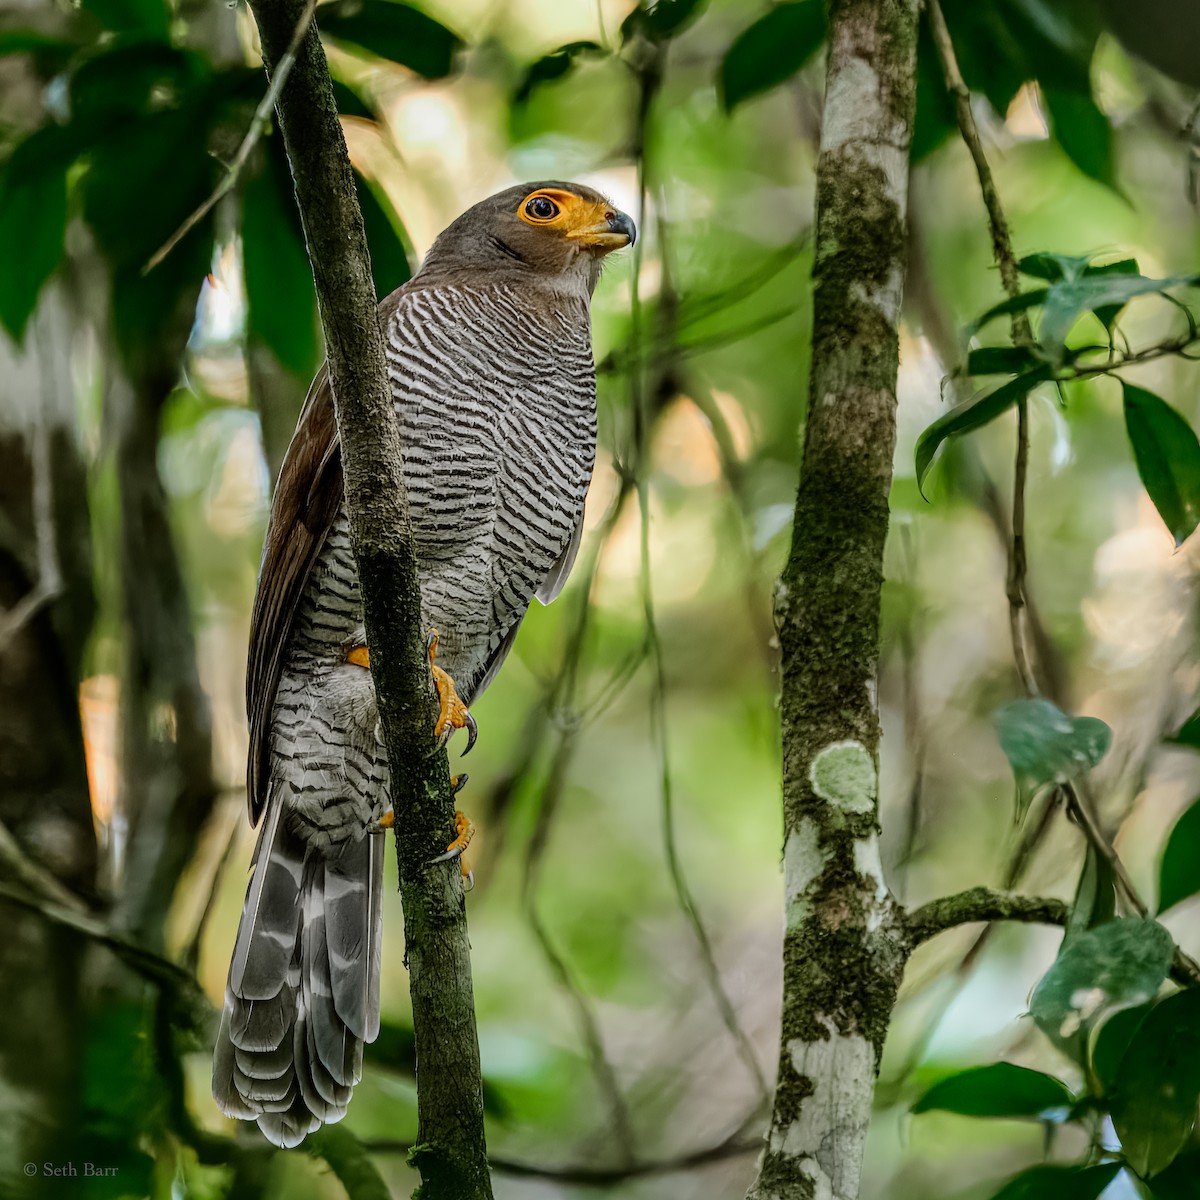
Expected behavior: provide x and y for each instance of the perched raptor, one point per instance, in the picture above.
(489, 355)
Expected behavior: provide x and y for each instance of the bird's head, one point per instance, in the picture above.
(553, 229)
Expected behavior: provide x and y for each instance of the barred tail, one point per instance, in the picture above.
(303, 990)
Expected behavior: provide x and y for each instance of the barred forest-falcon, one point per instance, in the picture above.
(490, 358)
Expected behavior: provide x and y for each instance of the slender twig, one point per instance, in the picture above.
(32, 876)
(1021, 335)
(589, 1176)
(258, 123)
(980, 904)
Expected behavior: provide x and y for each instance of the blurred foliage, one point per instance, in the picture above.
(701, 118)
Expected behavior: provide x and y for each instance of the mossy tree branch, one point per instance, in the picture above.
(980, 904)
(844, 950)
(451, 1154)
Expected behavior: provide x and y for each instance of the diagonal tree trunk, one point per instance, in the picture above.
(843, 954)
(450, 1154)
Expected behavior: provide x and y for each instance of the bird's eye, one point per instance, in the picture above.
(540, 208)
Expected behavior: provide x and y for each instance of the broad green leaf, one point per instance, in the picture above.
(1167, 453)
(773, 49)
(1006, 308)
(349, 102)
(1179, 873)
(1059, 1183)
(394, 31)
(1157, 1089)
(660, 20)
(1118, 965)
(1055, 267)
(1000, 360)
(281, 301)
(972, 414)
(554, 66)
(133, 206)
(127, 80)
(389, 262)
(33, 222)
(998, 1090)
(1068, 300)
(934, 122)
(1046, 747)
(1083, 131)
(1180, 1181)
(1189, 734)
(1112, 1040)
(148, 17)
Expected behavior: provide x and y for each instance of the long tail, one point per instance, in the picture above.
(303, 990)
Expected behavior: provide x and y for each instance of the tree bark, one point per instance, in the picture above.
(843, 945)
(450, 1152)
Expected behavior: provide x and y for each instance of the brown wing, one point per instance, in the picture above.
(307, 498)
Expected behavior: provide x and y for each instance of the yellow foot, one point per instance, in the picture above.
(452, 712)
(464, 831)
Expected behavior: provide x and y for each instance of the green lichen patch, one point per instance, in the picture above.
(844, 774)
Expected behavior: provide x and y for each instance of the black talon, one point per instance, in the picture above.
(472, 734)
(458, 783)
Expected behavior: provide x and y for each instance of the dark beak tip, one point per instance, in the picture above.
(623, 224)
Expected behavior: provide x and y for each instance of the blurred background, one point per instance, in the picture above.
(627, 916)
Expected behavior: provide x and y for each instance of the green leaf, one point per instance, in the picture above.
(554, 66)
(1045, 747)
(1059, 1183)
(934, 122)
(1167, 453)
(1068, 300)
(389, 262)
(128, 79)
(149, 17)
(133, 206)
(280, 298)
(1180, 1181)
(1000, 360)
(1053, 267)
(1005, 308)
(999, 1090)
(773, 49)
(1112, 1040)
(33, 222)
(979, 410)
(1083, 131)
(1189, 734)
(349, 102)
(395, 31)
(1179, 873)
(1118, 965)
(660, 21)
(1157, 1088)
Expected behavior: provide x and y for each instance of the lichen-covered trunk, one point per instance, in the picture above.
(842, 954)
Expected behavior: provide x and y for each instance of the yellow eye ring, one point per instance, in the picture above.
(541, 209)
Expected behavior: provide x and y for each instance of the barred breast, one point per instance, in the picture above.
(495, 394)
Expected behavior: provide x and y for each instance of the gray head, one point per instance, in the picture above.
(552, 231)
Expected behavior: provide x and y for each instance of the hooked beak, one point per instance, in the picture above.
(612, 233)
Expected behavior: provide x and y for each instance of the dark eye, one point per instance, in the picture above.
(541, 209)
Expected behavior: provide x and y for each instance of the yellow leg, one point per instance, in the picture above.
(452, 712)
